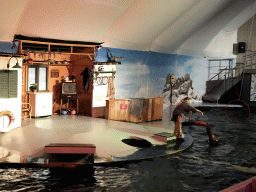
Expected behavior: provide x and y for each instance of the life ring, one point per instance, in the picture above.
(8, 114)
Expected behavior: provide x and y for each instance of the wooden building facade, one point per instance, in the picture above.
(49, 62)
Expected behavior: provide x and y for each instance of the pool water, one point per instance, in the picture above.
(198, 168)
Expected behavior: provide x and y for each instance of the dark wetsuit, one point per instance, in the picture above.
(180, 109)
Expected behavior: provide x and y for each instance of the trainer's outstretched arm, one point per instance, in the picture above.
(200, 112)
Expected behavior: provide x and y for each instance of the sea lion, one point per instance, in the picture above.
(212, 139)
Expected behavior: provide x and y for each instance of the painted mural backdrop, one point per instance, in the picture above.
(146, 74)
(253, 88)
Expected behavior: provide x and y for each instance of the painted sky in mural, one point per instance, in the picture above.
(143, 74)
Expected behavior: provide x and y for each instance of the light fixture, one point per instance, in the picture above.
(17, 66)
(99, 47)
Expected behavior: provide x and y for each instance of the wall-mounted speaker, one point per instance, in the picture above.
(241, 47)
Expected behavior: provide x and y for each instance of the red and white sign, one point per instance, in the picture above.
(123, 106)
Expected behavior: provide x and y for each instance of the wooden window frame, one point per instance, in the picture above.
(37, 66)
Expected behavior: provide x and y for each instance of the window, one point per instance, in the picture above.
(38, 75)
(8, 84)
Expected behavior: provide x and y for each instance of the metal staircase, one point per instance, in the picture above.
(215, 89)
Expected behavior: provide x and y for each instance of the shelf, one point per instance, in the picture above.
(43, 48)
(59, 64)
(36, 64)
(79, 53)
(104, 71)
(70, 108)
(47, 64)
(64, 43)
(98, 72)
(107, 63)
(55, 48)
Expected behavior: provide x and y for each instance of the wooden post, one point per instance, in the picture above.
(172, 81)
(171, 93)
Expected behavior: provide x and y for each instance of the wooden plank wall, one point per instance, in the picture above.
(80, 62)
(77, 65)
(54, 85)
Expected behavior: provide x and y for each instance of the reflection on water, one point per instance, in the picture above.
(113, 178)
(199, 168)
(22, 179)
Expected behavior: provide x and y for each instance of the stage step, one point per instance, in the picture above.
(70, 153)
(69, 148)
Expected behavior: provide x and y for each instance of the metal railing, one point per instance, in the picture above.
(227, 74)
(218, 74)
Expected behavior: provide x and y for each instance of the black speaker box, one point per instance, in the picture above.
(241, 47)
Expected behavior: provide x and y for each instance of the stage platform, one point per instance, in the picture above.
(113, 140)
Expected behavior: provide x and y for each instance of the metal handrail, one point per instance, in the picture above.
(218, 74)
(232, 77)
(227, 72)
(230, 73)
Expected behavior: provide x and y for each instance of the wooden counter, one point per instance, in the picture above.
(134, 110)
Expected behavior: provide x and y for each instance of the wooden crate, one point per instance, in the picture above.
(144, 113)
(152, 110)
(157, 108)
(148, 109)
(117, 110)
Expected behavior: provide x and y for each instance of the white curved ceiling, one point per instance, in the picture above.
(192, 27)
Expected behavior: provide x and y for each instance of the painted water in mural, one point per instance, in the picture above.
(146, 74)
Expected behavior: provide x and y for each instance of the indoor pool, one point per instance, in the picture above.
(198, 168)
